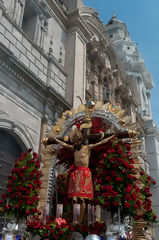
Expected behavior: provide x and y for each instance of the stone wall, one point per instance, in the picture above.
(31, 56)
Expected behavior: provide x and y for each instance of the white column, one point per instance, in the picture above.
(76, 68)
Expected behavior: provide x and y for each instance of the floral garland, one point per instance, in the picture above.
(59, 229)
(114, 179)
(54, 229)
(148, 214)
(23, 187)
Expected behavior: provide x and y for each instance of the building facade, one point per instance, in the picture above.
(140, 83)
(55, 54)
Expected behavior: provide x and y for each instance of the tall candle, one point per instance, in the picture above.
(76, 213)
(59, 210)
(90, 214)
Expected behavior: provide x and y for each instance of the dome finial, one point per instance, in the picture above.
(114, 16)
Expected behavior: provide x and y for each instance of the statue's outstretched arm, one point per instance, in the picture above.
(91, 146)
(64, 144)
(53, 140)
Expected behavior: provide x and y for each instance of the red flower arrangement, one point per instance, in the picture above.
(113, 176)
(148, 213)
(57, 229)
(24, 184)
(60, 229)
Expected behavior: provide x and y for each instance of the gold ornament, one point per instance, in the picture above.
(66, 115)
(66, 138)
(57, 129)
(133, 133)
(90, 104)
(114, 108)
(121, 122)
(44, 141)
(98, 105)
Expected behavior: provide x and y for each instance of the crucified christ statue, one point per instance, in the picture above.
(80, 179)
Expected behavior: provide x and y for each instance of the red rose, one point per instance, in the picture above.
(127, 205)
(39, 182)
(139, 203)
(35, 155)
(16, 165)
(113, 173)
(108, 178)
(60, 232)
(14, 178)
(137, 189)
(129, 153)
(127, 197)
(32, 160)
(21, 175)
(25, 155)
(134, 196)
(128, 189)
(99, 181)
(6, 207)
(119, 151)
(131, 167)
(136, 206)
(136, 217)
(20, 202)
(112, 151)
(0, 201)
(154, 217)
(153, 182)
(37, 164)
(4, 196)
(115, 204)
(131, 160)
(114, 165)
(113, 159)
(142, 173)
(56, 237)
(118, 179)
(9, 189)
(30, 186)
(108, 188)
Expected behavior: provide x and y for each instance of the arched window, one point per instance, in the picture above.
(9, 151)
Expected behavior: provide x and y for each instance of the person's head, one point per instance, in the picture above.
(76, 136)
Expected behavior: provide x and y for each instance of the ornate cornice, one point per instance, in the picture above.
(75, 22)
(58, 13)
(40, 7)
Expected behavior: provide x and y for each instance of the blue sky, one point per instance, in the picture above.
(142, 20)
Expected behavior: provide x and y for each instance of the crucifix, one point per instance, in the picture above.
(80, 180)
